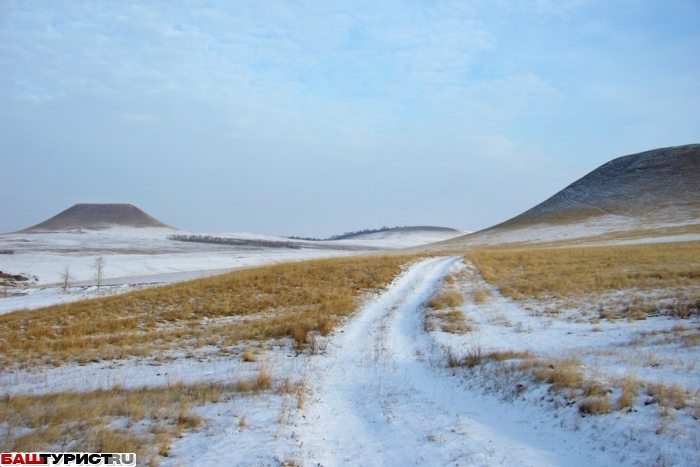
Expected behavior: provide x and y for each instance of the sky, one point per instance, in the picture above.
(314, 118)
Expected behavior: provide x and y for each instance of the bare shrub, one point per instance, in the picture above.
(684, 309)
(99, 267)
(66, 277)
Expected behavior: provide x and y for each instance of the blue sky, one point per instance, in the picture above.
(314, 118)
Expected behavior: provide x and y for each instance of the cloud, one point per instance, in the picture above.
(287, 110)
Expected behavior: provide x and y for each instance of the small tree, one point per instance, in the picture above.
(99, 267)
(66, 277)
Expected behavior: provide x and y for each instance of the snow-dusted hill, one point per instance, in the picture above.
(138, 249)
(403, 237)
(96, 217)
(651, 194)
(662, 184)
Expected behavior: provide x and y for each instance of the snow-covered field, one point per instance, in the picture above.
(659, 351)
(599, 230)
(378, 391)
(382, 396)
(137, 257)
(402, 238)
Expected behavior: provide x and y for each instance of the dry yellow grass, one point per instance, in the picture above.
(565, 272)
(142, 420)
(595, 405)
(583, 283)
(248, 354)
(448, 298)
(594, 389)
(475, 356)
(480, 295)
(442, 313)
(668, 396)
(563, 373)
(283, 300)
(567, 377)
(501, 355)
(629, 393)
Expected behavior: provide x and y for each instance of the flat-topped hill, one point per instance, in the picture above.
(97, 217)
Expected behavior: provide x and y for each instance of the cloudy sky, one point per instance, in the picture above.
(318, 117)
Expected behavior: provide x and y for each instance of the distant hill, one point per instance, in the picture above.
(657, 189)
(97, 217)
(394, 231)
(390, 237)
(387, 231)
(400, 237)
(644, 184)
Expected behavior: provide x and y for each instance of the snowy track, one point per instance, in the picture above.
(382, 396)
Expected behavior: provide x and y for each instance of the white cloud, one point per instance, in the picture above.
(347, 97)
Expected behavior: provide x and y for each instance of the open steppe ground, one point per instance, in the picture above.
(529, 356)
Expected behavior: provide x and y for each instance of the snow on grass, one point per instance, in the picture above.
(380, 390)
(598, 230)
(643, 375)
(133, 258)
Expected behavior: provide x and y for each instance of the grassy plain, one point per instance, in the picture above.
(672, 270)
(242, 309)
(277, 301)
(584, 286)
(147, 418)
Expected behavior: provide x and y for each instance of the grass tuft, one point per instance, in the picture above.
(595, 405)
(629, 393)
